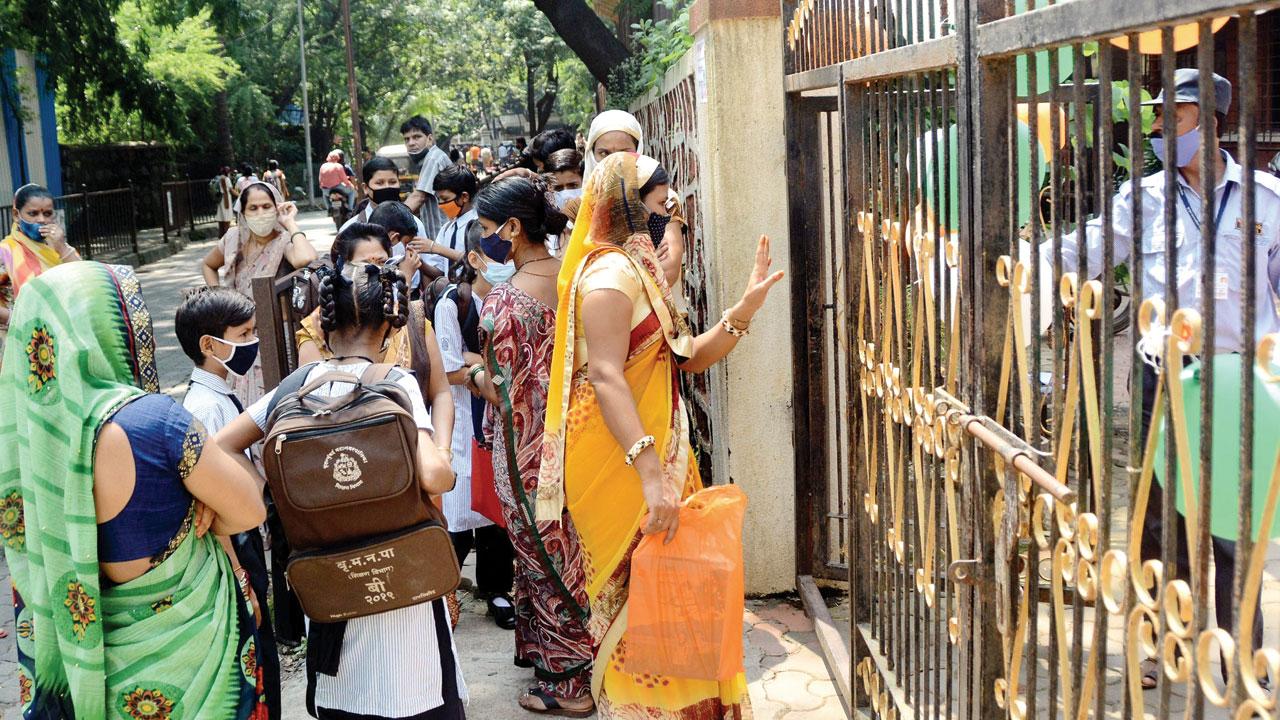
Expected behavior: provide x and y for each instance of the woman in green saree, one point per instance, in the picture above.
(126, 605)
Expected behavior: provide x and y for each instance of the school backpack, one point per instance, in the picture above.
(365, 536)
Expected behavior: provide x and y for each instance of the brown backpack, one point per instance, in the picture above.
(366, 537)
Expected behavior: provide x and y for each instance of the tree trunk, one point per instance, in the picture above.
(547, 102)
(226, 149)
(586, 35)
(530, 106)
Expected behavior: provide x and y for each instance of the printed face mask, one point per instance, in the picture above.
(242, 356)
(658, 227)
(261, 225)
(1184, 149)
(31, 230)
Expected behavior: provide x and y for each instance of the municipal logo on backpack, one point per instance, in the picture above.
(346, 462)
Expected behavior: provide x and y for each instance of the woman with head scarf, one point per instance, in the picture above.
(266, 236)
(126, 604)
(616, 451)
(615, 131)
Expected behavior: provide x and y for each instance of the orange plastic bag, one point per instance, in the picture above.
(685, 610)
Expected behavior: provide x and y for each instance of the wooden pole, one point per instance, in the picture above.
(357, 143)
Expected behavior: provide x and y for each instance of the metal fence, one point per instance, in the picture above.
(106, 222)
(1011, 290)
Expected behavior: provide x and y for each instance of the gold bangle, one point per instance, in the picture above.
(641, 445)
(446, 450)
(732, 329)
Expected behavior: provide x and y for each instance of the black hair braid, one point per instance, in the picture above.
(328, 302)
(395, 297)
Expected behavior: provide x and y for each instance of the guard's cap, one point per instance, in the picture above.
(1186, 89)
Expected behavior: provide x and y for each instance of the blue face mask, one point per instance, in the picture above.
(1184, 149)
(496, 274)
(495, 247)
(31, 230)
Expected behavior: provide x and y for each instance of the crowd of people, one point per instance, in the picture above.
(535, 321)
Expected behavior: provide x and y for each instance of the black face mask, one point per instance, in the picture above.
(658, 227)
(382, 195)
(418, 156)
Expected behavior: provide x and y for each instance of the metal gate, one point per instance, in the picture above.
(997, 288)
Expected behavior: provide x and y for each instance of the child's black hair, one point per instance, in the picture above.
(209, 311)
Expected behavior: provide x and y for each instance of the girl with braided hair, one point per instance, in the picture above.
(401, 663)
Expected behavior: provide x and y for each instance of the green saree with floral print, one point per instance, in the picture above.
(176, 642)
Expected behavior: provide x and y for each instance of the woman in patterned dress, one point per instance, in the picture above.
(516, 331)
(127, 607)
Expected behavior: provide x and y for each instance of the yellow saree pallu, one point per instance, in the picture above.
(583, 465)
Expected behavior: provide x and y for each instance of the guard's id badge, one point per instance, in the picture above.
(1257, 227)
(1221, 285)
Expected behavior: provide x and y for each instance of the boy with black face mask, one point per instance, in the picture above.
(217, 330)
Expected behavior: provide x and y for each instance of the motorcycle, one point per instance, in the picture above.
(338, 209)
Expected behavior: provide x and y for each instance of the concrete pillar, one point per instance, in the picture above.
(738, 70)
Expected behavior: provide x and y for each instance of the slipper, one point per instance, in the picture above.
(551, 706)
(1150, 673)
(502, 612)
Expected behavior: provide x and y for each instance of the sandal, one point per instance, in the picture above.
(552, 706)
(1150, 670)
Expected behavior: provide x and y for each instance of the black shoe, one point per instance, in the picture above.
(521, 662)
(504, 616)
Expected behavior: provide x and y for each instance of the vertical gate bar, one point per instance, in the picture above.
(942, 181)
(851, 114)
(1248, 83)
(1082, 143)
(1209, 159)
(1033, 432)
(911, 89)
(835, 218)
(1168, 538)
(874, 205)
(984, 94)
(855, 8)
(1102, 505)
(809, 415)
(1137, 392)
(1058, 335)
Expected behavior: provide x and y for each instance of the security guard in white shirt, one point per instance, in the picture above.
(1228, 285)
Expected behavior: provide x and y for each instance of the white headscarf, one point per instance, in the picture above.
(610, 121)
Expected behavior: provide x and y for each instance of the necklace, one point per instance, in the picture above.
(543, 259)
(534, 274)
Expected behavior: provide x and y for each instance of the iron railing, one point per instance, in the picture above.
(106, 222)
(975, 399)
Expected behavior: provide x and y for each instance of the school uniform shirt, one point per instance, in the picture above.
(1228, 282)
(432, 216)
(452, 235)
(390, 664)
(397, 250)
(210, 400)
(457, 502)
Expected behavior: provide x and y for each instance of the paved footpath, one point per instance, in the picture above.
(787, 677)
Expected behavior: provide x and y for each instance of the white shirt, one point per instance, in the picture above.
(390, 663)
(457, 502)
(1229, 261)
(209, 400)
(452, 235)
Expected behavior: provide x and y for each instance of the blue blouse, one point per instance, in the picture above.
(166, 442)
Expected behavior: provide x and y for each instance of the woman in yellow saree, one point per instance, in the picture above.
(617, 448)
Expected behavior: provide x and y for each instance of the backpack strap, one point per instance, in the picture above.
(291, 384)
(462, 298)
(377, 372)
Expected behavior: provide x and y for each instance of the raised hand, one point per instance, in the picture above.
(760, 282)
